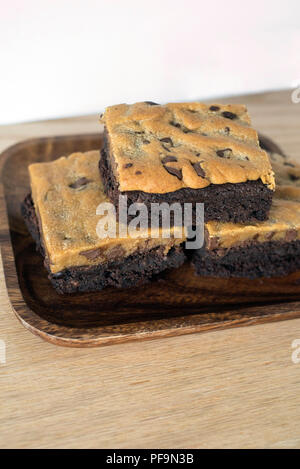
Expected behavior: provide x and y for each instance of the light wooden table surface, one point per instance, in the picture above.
(232, 388)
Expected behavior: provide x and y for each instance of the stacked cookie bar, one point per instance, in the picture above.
(187, 153)
(180, 153)
(61, 215)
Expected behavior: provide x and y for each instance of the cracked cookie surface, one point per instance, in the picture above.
(165, 148)
(66, 193)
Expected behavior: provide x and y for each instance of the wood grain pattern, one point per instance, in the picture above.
(233, 388)
(179, 303)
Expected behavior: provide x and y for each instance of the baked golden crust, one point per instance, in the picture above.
(66, 193)
(284, 217)
(163, 148)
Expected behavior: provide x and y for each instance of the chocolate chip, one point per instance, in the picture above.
(165, 148)
(221, 153)
(175, 124)
(214, 108)
(91, 254)
(199, 170)
(169, 159)
(291, 235)
(229, 115)
(293, 177)
(289, 164)
(128, 165)
(80, 183)
(227, 130)
(174, 171)
(167, 140)
(146, 142)
(138, 172)
(198, 154)
(151, 103)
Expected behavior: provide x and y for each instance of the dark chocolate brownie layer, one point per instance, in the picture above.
(269, 259)
(133, 270)
(29, 215)
(241, 202)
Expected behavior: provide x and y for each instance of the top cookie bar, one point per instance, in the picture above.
(182, 152)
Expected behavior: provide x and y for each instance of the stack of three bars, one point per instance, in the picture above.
(187, 152)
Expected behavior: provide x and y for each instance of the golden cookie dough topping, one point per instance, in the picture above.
(163, 148)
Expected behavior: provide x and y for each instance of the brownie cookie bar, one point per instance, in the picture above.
(61, 216)
(266, 249)
(187, 152)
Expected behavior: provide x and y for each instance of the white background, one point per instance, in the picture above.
(67, 57)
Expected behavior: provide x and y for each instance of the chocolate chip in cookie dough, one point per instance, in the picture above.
(199, 170)
(229, 115)
(286, 163)
(227, 130)
(214, 108)
(293, 177)
(91, 254)
(166, 148)
(175, 124)
(151, 103)
(167, 140)
(174, 171)
(128, 165)
(182, 127)
(79, 183)
(138, 172)
(222, 153)
(169, 159)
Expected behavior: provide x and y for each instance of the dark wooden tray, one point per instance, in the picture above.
(180, 303)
